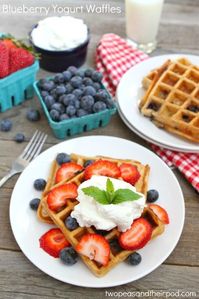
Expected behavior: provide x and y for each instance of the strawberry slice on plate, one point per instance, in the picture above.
(95, 247)
(67, 171)
(137, 235)
(129, 173)
(160, 212)
(102, 167)
(57, 197)
(53, 241)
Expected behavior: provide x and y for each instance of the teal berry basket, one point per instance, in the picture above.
(78, 125)
(17, 87)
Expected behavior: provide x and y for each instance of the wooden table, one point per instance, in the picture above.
(179, 32)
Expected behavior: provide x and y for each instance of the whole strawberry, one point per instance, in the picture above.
(20, 58)
(4, 60)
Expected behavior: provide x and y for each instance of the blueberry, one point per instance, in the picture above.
(87, 103)
(69, 99)
(78, 93)
(69, 88)
(97, 76)
(59, 78)
(60, 89)
(80, 73)
(109, 103)
(134, 259)
(88, 72)
(97, 86)
(87, 81)
(53, 93)
(49, 101)
(44, 93)
(41, 82)
(76, 104)
(63, 158)
(39, 184)
(48, 86)
(90, 91)
(54, 115)
(33, 115)
(152, 195)
(81, 112)
(19, 137)
(34, 203)
(115, 246)
(88, 162)
(64, 116)
(6, 125)
(71, 223)
(71, 110)
(101, 95)
(72, 69)
(193, 108)
(67, 76)
(99, 106)
(59, 107)
(68, 256)
(76, 81)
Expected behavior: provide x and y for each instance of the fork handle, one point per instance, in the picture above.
(7, 176)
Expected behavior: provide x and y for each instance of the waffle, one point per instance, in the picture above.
(141, 185)
(172, 98)
(74, 236)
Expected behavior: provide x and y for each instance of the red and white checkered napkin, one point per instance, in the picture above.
(114, 56)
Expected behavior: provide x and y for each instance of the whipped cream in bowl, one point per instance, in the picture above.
(90, 212)
(59, 33)
(61, 42)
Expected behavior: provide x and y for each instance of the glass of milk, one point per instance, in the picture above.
(142, 22)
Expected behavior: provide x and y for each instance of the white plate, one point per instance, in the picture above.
(27, 229)
(129, 125)
(130, 91)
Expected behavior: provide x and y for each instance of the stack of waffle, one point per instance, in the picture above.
(58, 218)
(172, 98)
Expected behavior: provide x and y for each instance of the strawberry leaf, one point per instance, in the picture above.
(122, 195)
(98, 194)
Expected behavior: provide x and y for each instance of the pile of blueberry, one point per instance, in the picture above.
(74, 93)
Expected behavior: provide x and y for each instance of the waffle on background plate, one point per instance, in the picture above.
(172, 98)
(58, 218)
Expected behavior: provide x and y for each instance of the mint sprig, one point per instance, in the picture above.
(110, 196)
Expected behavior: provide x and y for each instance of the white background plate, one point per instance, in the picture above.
(129, 93)
(27, 229)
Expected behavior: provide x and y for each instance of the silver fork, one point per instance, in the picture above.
(32, 150)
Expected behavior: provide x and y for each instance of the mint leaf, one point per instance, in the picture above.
(109, 186)
(122, 195)
(99, 195)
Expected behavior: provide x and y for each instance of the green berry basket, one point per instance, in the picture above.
(78, 125)
(17, 87)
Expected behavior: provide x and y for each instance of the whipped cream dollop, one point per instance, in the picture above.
(59, 33)
(105, 217)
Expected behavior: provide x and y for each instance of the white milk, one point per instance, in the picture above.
(142, 20)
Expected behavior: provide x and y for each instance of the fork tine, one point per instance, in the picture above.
(39, 146)
(29, 144)
(32, 146)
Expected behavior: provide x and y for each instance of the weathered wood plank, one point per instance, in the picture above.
(29, 282)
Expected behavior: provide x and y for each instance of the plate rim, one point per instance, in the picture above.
(187, 148)
(105, 285)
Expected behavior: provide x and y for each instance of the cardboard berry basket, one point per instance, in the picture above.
(73, 126)
(17, 87)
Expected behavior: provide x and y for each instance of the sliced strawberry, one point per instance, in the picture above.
(57, 197)
(137, 236)
(160, 212)
(53, 241)
(67, 171)
(129, 173)
(95, 247)
(4, 60)
(102, 167)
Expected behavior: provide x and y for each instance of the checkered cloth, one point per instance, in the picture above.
(114, 56)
